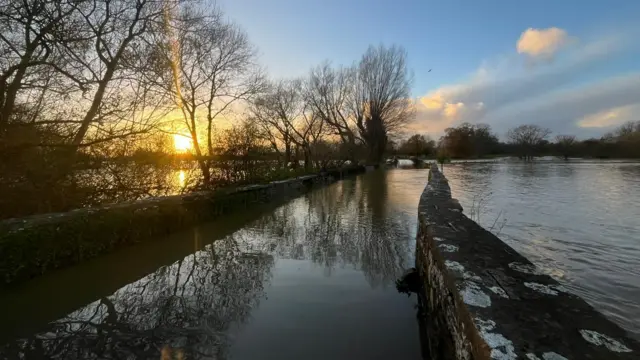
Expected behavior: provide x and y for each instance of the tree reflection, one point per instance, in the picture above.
(187, 306)
(348, 224)
(186, 309)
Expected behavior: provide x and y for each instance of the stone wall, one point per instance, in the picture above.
(36, 245)
(480, 299)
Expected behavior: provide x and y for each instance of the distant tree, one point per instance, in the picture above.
(458, 141)
(392, 147)
(527, 139)
(469, 140)
(484, 140)
(417, 145)
(627, 139)
(566, 145)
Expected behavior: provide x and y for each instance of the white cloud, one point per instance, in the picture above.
(611, 117)
(542, 43)
(509, 93)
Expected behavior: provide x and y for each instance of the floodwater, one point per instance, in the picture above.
(579, 221)
(310, 279)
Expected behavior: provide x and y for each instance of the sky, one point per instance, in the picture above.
(570, 65)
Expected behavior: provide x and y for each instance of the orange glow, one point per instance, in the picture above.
(182, 143)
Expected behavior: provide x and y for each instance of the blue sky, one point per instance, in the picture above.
(571, 65)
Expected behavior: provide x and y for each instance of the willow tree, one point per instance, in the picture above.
(366, 102)
(210, 65)
(381, 102)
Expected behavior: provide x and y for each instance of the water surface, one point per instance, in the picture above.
(311, 279)
(579, 221)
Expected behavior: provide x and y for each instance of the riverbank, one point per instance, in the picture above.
(39, 244)
(484, 300)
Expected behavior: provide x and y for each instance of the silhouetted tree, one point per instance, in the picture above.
(527, 139)
(381, 103)
(207, 67)
(469, 140)
(417, 145)
(566, 145)
(328, 93)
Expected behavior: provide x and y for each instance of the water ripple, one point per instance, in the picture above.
(578, 221)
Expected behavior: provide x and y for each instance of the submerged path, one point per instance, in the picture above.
(311, 279)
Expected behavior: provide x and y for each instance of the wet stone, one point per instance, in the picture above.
(486, 301)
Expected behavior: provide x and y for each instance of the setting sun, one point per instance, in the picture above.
(182, 143)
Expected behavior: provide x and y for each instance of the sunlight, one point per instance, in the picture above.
(182, 143)
(181, 178)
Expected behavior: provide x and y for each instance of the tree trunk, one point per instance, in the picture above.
(376, 139)
(307, 159)
(202, 163)
(287, 152)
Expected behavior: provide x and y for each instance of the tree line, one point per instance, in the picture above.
(86, 85)
(526, 141)
(84, 82)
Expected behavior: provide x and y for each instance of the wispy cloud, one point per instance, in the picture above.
(566, 110)
(510, 92)
(611, 117)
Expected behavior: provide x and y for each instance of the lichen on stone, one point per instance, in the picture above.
(547, 356)
(448, 248)
(545, 289)
(454, 266)
(599, 339)
(501, 347)
(474, 296)
(499, 291)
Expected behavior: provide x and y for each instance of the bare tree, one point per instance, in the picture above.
(115, 30)
(309, 132)
(565, 144)
(212, 68)
(70, 79)
(29, 31)
(381, 98)
(328, 94)
(287, 120)
(74, 67)
(527, 138)
(277, 112)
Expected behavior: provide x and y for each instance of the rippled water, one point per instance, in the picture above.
(311, 279)
(579, 221)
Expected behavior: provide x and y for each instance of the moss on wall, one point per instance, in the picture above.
(32, 246)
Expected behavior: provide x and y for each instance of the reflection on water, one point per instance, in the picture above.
(578, 221)
(181, 178)
(187, 305)
(310, 279)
